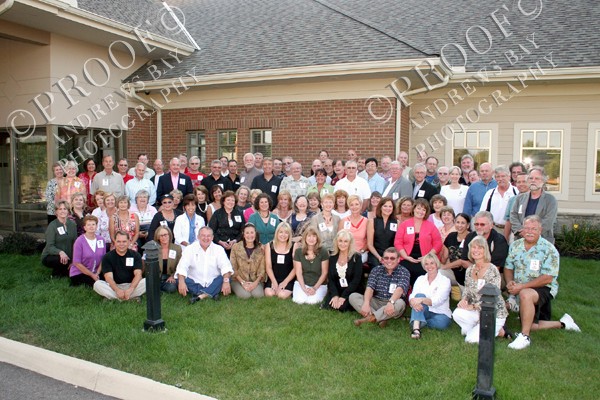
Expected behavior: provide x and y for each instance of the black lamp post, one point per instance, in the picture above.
(154, 321)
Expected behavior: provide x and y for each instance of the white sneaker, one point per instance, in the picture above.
(520, 342)
(570, 324)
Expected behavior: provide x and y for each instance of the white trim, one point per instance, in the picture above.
(590, 194)
(563, 195)
(576, 211)
(480, 127)
(549, 74)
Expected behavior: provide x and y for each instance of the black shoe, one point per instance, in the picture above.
(195, 299)
(508, 334)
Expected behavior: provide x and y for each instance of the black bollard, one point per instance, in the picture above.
(154, 322)
(487, 340)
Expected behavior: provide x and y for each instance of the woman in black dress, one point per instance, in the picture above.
(452, 251)
(381, 231)
(279, 262)
(227, 222)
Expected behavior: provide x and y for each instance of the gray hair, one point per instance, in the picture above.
(142, 193)
(540, 169)
(502, 169)
(485, 214)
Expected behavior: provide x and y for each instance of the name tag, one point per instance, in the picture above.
(280, 258)
(410, 230)
(237, 218)
(346, 224)
(534, 265)
(221, 185)
(324, 191)
(129, 262)
(163, 223)
(61, 230)
(421, 193)
(302, 185)
(392, 288)
(322, 227)
(273, 221)
(462, 244)
(104, 182)
(242, 179)
(100, 244)
(480, 283)
(520, 209)
(172, 254)
(343, 282)
(182, 181)
(273, 188)
(395, 196)
(77, 184)
(393, 227)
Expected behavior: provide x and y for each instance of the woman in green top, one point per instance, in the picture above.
(311, 263)
(321, 187)
(263, 219)
(60, 237)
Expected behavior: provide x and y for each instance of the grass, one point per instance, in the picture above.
(270, 349)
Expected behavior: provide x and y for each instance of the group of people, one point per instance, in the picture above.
(422, 235)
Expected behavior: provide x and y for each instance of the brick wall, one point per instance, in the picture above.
(300, 129)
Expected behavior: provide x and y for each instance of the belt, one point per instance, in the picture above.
(501, 226)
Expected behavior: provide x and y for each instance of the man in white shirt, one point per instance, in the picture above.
(204, 269)
(496, 200)
(139, 182)
(143, 158)
(398, 186)
(354, 185)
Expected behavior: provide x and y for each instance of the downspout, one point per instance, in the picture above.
(158, 111)
(6, 5)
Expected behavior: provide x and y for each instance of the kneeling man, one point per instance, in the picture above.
(204, 269)
(531, 273)
(122, 269)
(386, 291)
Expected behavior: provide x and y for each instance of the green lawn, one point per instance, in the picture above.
(270, 349)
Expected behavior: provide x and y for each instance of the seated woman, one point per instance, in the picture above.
(168, 258)
(60, 237)
(311, 263)
(125, 220)
(345, 273)
(314, 202)
(479, 274)
(300, 218)
(165, 217)
(248, 262)
(284, 206)
(340, 208)
(326, 223)
(188, 224)
(374, 200)
(145, 212)
(78, 211)
(88, 251)
(357, 225)
(447, 215)
(381, 231)
(404, 208)
(279, 263)
(430, 298)
(436, 203)
(415, 238)
(227, 223)
(216, 194)
(451, 254)
(201, 202)
(264, 220)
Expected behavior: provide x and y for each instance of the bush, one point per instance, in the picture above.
(582, 240)
(20, 243)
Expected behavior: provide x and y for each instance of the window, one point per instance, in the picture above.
(596, 163)
(196, 146)
(476, 142)
(592, 184)
(228, 144)
(544, 148)
(262, 140)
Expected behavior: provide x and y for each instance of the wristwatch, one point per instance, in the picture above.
(226, 280)
(392, 301)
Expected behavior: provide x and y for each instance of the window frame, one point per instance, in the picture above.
(492, 150)
(592, 161)
(220, 147)
(199, 146)
(262, 144)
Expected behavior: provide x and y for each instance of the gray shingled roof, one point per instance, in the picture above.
(250, 35)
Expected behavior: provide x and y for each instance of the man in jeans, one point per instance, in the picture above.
(386, 291)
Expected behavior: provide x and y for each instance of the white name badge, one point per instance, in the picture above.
(343, 282)
(322, 227)
(100, 244)
(520, 209)
(410, 230)
(421, 193)
(273, 188)
(324, 191)
(61, 230)
(462, 244)
(272, 221)
(237, 218)
(346, 224)
(77, 184)
(480, 283)
(221, 185)
(393, 227)
(164, 223)
(534, 265)
(104, 182)
(280, 258)
(395, 196)
(242, 179)
(392, 288)
(129, 261)
(172, 254)
(302, 185)
(182, 181)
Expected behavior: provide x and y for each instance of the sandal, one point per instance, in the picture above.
(416, 334)
(508, 334)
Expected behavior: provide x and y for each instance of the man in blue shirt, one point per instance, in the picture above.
(478, 189)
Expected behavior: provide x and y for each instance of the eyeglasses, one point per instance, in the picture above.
(390, 258)
(479, 224)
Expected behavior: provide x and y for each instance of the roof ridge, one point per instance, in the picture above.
(372, 25)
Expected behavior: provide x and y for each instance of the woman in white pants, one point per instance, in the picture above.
(311, 263)
(478, 275)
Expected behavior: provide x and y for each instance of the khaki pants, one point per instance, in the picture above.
(104, 289)
(377, 306)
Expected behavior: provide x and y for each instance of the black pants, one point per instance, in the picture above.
(58, 269)
(82, 279)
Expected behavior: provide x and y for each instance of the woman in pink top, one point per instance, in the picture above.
(357, 225)
(417, 237)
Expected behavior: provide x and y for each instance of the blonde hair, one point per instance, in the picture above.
(344, 234)
(283, 226)
(480, 241)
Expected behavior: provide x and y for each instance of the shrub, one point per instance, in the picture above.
(20, 243)
(582, 240)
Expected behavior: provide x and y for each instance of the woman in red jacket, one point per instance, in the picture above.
(417, 237)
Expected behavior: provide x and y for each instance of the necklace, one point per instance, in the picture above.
(205, 207)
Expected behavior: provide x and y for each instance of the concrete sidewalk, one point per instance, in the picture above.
(85, 374)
